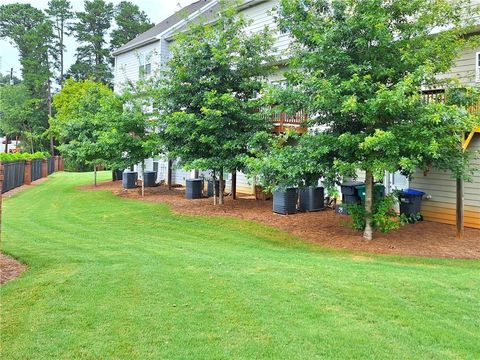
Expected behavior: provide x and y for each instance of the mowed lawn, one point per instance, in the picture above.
(110, 278)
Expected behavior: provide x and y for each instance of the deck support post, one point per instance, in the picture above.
(169, 174)
(234, 184)
(459, 209)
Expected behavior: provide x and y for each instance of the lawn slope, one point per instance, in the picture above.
(115, 278)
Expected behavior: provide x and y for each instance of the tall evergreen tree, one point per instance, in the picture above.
(29, 30)
(90, 30)
(130, 21)
(60, 12)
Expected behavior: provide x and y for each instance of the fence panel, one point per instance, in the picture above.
(51, 165)
(13, 173)
(36, 169)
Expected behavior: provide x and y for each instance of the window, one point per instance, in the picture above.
(145, 64)
(477, 67)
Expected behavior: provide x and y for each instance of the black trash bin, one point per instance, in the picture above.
(311, 199)
(217, 187)
(194, 189)
(129, 180)
(410, 202)
(117, 175)
(350, 193)
(150, 177)
(285, 201)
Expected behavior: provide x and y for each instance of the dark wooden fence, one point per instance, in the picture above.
(13, 174)
(36, 171)
(51, 165)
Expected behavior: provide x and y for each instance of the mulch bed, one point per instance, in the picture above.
(10, 268)
(325, 227)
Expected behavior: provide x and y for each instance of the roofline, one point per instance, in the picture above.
(173, 27)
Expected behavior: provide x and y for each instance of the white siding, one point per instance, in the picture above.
(263, 15)
(126, 64)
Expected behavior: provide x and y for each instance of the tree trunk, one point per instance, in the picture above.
(368, 233)
(234, 184)
(6, 144)
(95, 175)
(220, 188)
(143, 178)
(460, 210)
(214, 179)
(52, 149)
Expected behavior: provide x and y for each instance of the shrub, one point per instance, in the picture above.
(384, 218)
(6, 157)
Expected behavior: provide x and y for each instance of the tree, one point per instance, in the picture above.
(85, 110)
(131, 135)
(360, 66)
(208, 96)
(30, 32)
(90, 30)
(61, 13)
(130, 21)
(17, 114)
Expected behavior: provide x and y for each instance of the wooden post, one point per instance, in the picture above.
(234, 184)
(27, 178)
(460, 210)
(169, 174)
(44, 168)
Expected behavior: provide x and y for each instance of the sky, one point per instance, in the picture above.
(157, 10)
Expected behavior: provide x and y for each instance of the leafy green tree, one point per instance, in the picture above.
(60, 12)
(131, 135)
(85, 110)
(17, 115)
(208, 96)
(90, 30)
(130, 21)
(5, 80)
(360, 66)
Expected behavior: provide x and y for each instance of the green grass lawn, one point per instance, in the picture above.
(111, 278)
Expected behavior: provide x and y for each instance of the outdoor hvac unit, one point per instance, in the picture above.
(285, 201)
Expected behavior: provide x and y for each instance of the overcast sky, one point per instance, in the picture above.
(157, 10)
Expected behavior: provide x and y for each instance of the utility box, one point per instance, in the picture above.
(149, 178)
(311, 199)
(194, 188)
(217, 187)
(285, 201)
(129, 180)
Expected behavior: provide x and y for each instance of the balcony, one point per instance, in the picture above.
(283, 122)
(440, 96)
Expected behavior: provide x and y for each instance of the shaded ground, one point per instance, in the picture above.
(24, 187)
(9, 268)
(325, 227)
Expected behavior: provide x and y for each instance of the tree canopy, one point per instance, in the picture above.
(359, 70)
(208, 97)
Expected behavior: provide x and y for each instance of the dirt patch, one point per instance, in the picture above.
(23, 187)
(325, 227)
(10, 268)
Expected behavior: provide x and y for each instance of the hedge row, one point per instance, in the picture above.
(5, 157)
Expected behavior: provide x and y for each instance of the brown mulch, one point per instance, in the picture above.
(10, 268)
(325, 227)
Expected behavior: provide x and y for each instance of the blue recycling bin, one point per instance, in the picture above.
(410, 201)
